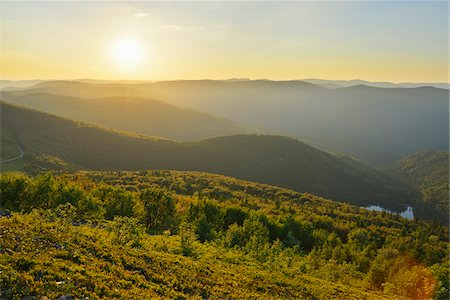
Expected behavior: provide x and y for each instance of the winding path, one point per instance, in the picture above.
(22, 153)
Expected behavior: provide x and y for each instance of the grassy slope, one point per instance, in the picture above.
(8, 148)
(48, 256)
(91, 265)
(268, 159)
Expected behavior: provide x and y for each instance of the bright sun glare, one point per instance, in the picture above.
(127, 52)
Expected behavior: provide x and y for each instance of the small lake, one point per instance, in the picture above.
(407, 214)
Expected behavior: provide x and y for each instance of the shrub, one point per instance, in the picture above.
(126, 231)
(118, 202)
(234, 215)
(207, 217)
(234, 236)
(89, 208)
(12, 187)
(159, 209)
(188, 236)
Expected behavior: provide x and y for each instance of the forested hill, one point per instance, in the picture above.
(428, 173)
(133, 114)
(178, 235)
(268, 159)
(376, 125)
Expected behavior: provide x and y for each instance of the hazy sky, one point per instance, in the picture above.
(377, 41)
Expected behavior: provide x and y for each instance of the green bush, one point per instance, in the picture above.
(160, 211)
(12, 187)
(187, 239)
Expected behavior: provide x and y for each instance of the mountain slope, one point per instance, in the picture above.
(428, 173)
(268, 159)
(376, 125)
(172, 234)
(18, 83)
(157, 270)
(140, 115)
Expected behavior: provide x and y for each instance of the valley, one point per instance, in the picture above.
(224, 150)
(375, 125)
(274, 160)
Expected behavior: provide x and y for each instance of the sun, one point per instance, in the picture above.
(127, 53)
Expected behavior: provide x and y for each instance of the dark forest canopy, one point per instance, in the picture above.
(428, 173)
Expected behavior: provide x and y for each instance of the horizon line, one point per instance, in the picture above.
(225, 79)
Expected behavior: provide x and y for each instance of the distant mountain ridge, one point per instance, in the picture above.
(376, 125)
(18, 83)
(274, 160)
(381, 84)
(133, 114)
(328, 83)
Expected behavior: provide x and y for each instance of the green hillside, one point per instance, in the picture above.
(9, 148)
(428, 173)
(268, 159)
(139, 115)
(173, 234)
(376, 125)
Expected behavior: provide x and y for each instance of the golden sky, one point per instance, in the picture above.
(376, 41)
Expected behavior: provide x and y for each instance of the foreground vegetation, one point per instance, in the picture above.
(188, 234)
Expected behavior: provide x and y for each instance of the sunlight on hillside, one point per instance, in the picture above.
(224, 150)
